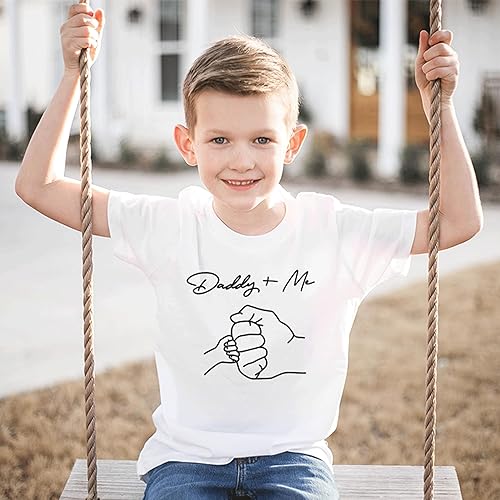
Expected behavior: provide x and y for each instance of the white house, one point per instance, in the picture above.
(353, 60)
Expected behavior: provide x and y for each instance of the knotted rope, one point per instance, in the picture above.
(87, 272)
(433, 276)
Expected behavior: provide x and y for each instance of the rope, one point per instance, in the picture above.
(433, 277)
(87, 271)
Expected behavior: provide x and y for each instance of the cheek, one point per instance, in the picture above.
(215, 157)
(207, 159)
(274, 156)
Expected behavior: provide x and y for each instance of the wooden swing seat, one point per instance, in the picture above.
(117, 480)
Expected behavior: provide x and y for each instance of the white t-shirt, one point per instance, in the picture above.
(287, 299)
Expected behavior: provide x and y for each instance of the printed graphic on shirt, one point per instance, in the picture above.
(260, 345)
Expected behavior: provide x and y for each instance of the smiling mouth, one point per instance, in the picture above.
(241, 183)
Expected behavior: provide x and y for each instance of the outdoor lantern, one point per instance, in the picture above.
(134, 16)
(308, 7)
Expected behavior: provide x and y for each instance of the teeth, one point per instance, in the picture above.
(239, 183)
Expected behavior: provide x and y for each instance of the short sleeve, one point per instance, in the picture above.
(143, 228)
(375, 244)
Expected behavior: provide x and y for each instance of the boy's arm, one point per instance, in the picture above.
(41, 182)
(461, 215)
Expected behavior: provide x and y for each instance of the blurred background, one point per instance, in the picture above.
(354, 61)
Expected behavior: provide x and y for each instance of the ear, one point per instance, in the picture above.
(184, 144)
(295, 143)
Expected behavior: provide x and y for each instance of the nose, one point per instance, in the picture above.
(242, 160)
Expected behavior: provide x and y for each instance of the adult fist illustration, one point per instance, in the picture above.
(260, 344)
(280, 351)
(249, 343)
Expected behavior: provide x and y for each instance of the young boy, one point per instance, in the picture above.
(256, 289)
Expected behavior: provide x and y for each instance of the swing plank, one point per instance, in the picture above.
(117, 480)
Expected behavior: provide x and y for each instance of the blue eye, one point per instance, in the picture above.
(216, 140)
(267, 141)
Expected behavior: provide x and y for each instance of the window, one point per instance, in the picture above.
(365, 23)
(170, 19)
(169, 77)
(3, 122)
(171, 35)
(265, 18)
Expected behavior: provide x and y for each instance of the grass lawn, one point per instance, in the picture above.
(381, 418)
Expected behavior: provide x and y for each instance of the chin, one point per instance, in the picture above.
(243, 206)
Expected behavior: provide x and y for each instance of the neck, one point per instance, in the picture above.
(260, 220)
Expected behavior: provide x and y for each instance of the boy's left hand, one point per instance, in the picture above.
(436, 59)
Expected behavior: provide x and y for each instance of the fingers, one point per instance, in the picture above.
(79, 8)
(249, 341)
(244, 343)
(85, 32)
(446, 72)
(441, 66)
(82, 15)
(255, 356)
(435, 57)
(441, 36)
(423, 43)
(84, 20)
(80, 38)
(437, 44)
(99, 16)
(82, 30)
(231, 350)
(438, 62)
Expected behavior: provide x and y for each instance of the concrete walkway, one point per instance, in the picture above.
(40, 272)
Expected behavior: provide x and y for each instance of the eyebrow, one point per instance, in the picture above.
(260, 131)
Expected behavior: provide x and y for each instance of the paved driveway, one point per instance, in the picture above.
(40, 276)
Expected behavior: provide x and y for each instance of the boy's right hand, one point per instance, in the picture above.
(83, 29)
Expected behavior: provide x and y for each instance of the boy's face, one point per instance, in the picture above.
(240, 138)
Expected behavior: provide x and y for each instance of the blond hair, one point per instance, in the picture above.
(240, 65)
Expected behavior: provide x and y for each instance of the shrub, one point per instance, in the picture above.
(411, 170)
(359, 166)
(11, 150)
(482, 162)
(161, 162)
(486, 121)
(323, 145)
(128, 154)
(315, 164)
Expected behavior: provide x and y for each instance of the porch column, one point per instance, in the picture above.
(196, 38)
(103, 132)
(16, 125)
(340, 112)
(392, 90)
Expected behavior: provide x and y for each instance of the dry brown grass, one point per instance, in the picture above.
(381, 417)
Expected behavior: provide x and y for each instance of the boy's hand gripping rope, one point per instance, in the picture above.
(433, 283)
(87, 272)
